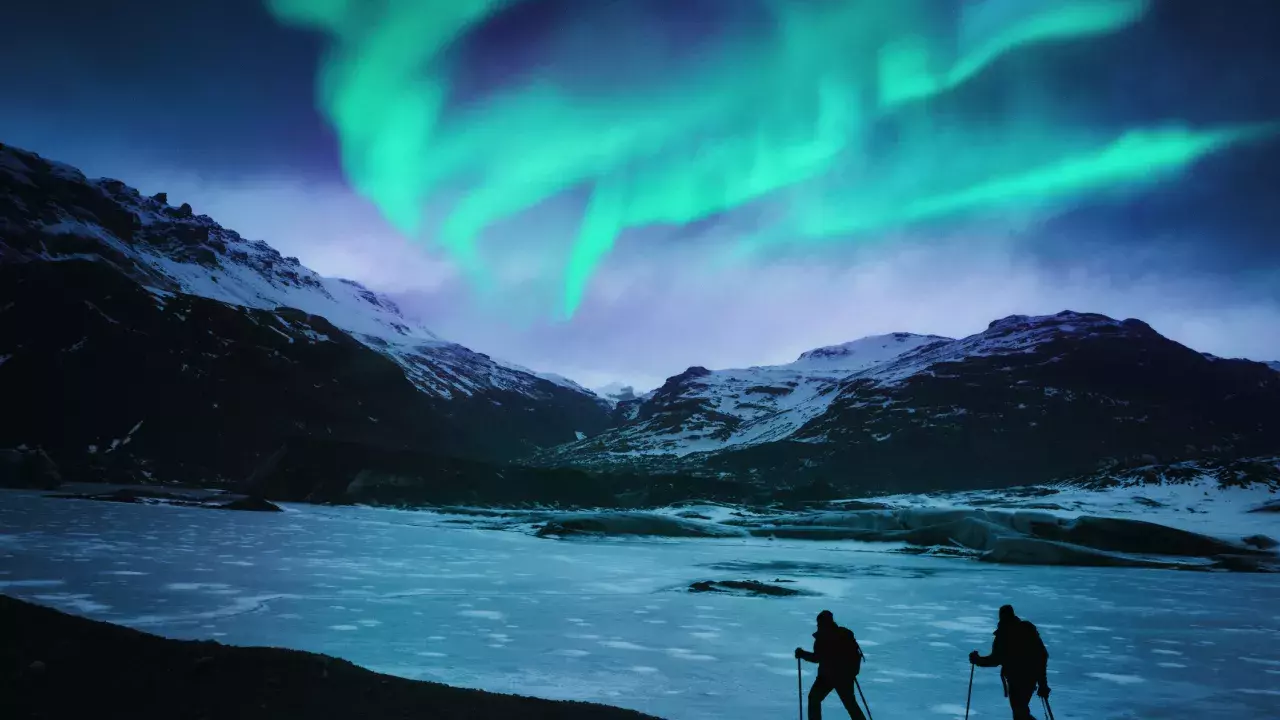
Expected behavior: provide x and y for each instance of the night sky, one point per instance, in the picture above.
(217, 104)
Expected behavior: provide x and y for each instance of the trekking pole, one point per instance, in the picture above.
(969, 697)
(799, 690)
(864, 697)
(1047, 710)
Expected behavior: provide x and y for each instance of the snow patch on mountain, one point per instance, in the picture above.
(345, 303)
(562, 381)
(1274, 365)
(553, 378)
(858, 355)
(702, 410)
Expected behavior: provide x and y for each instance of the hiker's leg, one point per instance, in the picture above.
(1020, 695)
(819, 692)
(848, 696)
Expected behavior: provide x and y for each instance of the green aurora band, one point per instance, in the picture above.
(784, 117)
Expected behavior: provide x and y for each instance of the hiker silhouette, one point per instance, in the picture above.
(1023, 661)
(839, 659)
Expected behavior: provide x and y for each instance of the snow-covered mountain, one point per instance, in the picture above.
(701, 410)
(171, 249)
(1030, 399)
(64, 236)
(1274, 365)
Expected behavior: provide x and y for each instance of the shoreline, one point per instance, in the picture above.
(54, 665)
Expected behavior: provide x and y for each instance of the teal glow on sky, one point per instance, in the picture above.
(840, 121)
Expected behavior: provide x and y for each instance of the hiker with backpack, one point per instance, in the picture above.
(839, 659)
(1023, 661)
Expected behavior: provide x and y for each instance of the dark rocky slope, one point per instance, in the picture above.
(321, 471)
(140, 341)
(55, 666)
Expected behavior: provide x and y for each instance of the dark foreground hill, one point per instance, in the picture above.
(54, 665)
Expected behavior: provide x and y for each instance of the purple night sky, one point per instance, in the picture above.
(212, 103)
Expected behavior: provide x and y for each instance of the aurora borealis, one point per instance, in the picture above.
(781, 103)
(702, 182)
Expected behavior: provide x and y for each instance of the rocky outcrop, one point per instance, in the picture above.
(620, 523)
(744, 588)
(1261, 542)
(151, 496)
(251, 504)
(28, 469)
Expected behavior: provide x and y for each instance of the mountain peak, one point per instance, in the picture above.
(857, 351)
(1067, 321)
(1021, 332)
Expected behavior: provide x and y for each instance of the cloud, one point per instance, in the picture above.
(852, 119)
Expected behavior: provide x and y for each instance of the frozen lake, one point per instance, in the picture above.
(416, 595)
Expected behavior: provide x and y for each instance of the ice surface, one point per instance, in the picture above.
(1199, 504)
(609, 621)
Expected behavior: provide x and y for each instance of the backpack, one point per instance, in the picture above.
(1028, 648)
(850, 649)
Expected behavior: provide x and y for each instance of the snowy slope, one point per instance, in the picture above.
(553, 378)
(173, 250)
(1030, 399)
(1274, 365)
(1008, 338)
(1013, 335)
(701, 410)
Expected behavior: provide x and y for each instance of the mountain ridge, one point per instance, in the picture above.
(1030, 399)
(123, 311)
(178, 250)
(143, 341)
